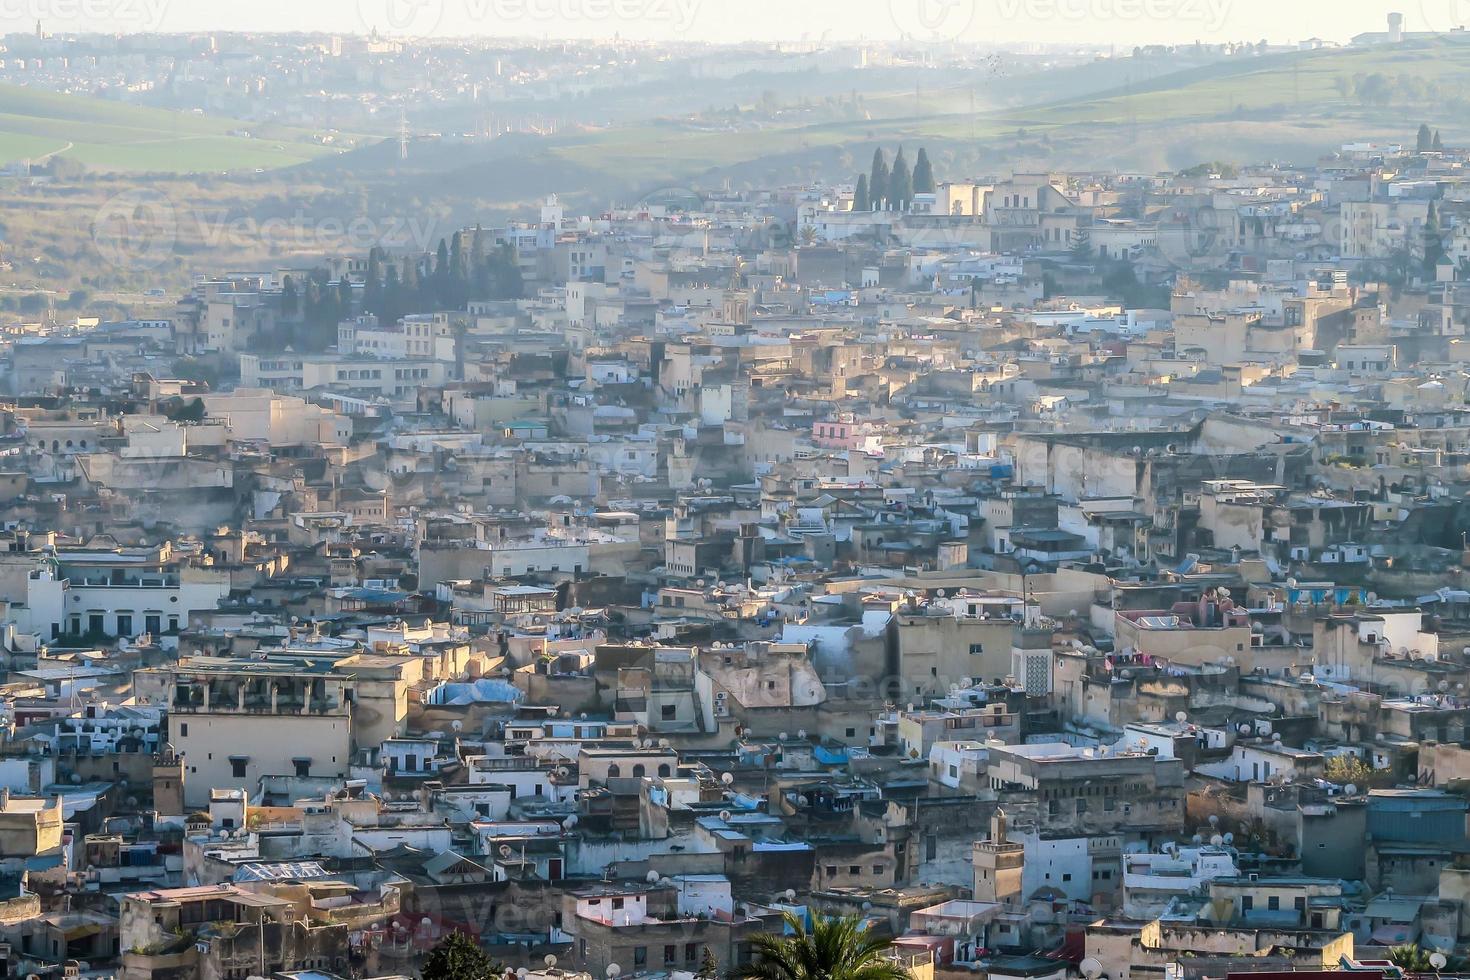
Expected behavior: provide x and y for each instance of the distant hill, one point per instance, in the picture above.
(1138, 114)
(106, 135)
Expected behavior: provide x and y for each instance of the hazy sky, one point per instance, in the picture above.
(1120, 22)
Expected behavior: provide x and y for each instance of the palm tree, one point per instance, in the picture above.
(1413, 958)
(834, 949)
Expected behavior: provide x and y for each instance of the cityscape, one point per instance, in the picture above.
(643, 490)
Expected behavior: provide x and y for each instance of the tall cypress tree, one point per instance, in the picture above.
(860, 196)
(1433, 243)
(900, 184)
(1437, 146)
(372, 287)
(923, 174)
(1425, 140)
(878, 182)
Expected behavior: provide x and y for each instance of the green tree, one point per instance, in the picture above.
(878, 181)
(900, 184)
(709, 969)
(1425, 139)
(1433, 242)
(192, 411)
(457, 957)
(372, 287)
(290, 298)
(834, 949)
(1347, 769)
(923, 173)
(860, 195)
(1375, 89)
(1410, 959)
(1435, 144)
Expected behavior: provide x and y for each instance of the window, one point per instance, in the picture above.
(184, 729)
(1274, 903)
(640, 955)
(671, 953)
(854, 870)
(831, 871)
(124, 624)
(617, 903)
(691, 952)
(303, 767)
(237, 766)
(667, 711)
(976, 649)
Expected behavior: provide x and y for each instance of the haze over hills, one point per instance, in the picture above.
(1288, 106)
(1156, 110)
(107, 135)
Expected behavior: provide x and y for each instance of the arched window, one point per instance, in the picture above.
(614, 771)
(664, 770)
(638, 771)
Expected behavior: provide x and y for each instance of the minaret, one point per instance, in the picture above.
(999, 864)
(168, 783)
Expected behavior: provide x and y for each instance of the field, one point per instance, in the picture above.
(1132, 114)
(1278, 106)
(106, 135)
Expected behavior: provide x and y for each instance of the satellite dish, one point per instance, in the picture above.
(1229, 838)
(1090, 967)
(1181, 716)
(791, 894)
(1350, 789)
(505, 850)
(550, 961)
(1216, 839)
(1437, 960)
(725, 815)
(652, 877)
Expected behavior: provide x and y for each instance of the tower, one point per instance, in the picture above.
(999, 864)
(1395, 28)
(168, 783)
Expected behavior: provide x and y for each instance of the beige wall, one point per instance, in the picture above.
(271, 743)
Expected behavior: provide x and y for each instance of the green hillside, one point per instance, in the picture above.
(111, 136)
(1293, 105)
